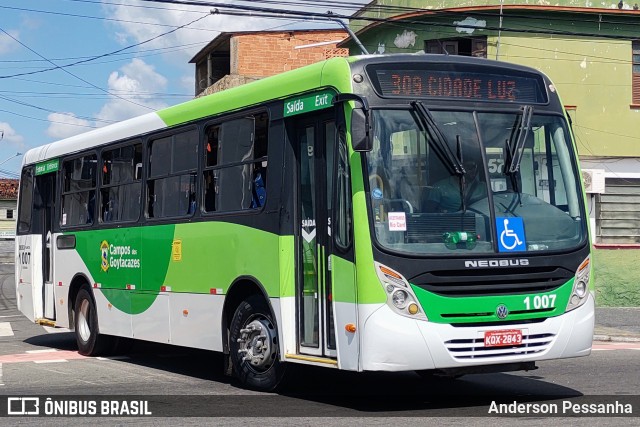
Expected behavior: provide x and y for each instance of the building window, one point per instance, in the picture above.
(635, 82)
(235, 174)
(473, 46)
(616, 218)
(9, 213)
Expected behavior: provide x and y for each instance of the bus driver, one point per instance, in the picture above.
(446, 195)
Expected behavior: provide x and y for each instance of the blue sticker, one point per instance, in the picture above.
(510, 234)
(376, 193)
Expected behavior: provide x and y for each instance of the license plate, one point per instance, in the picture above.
(502, 338)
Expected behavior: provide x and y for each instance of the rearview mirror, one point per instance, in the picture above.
(360, 124)
(360, 139)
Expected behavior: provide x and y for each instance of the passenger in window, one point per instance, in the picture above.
(209, 193)
(151, 200)
(106, 212)
(91, 205)
(111, 212)
(192, 203)
(258, 188)
(405, 190)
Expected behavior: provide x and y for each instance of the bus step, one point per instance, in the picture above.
(46, 322)
(313, 359)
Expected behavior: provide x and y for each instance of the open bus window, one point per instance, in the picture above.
(79, 191)
(235, 175)
(121, 184)
(171, 186)
(172, 196)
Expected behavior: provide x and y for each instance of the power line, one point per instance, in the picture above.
(28, 93)
(93, 58)
(102, 18)
(159, 50)
(67, 71)
(26, 104)
(45, 120)
(266, 12)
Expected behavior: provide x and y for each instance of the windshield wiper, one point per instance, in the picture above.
(515, 143)
(515, 148)
(439, 141)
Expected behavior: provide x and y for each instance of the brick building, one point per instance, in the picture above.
(8, 207)
(232, 59)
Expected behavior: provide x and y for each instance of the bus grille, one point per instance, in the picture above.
(468, 349)
(497, 281)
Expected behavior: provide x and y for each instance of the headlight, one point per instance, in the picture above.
(400, 296)
(399, 299)
(580, 289)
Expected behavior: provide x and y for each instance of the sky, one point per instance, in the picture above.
(69, 66)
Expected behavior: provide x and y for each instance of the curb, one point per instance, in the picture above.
(615, 338)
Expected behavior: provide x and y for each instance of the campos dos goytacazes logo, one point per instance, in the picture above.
(104, 252)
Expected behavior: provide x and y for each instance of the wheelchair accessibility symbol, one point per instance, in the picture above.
(510, 234)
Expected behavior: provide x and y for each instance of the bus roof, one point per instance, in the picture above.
(330, 73)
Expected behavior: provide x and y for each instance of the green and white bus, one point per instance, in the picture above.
(374, 213)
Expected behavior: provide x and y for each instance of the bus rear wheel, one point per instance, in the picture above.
(254, 347)
(90, 342)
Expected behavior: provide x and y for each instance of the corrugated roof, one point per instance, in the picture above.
(9, 189)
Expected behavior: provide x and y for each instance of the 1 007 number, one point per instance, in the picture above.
(538, 302)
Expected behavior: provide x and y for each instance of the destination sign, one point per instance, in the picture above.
(308, 103)
(47, 167)
(461, 84)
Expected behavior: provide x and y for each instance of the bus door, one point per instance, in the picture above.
(317, 318)
(34, 264)
(45, 193)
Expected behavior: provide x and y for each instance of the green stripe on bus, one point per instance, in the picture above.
(442, 309)
(336, 70)
(213, 256)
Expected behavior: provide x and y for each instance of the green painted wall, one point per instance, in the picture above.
(592, 74)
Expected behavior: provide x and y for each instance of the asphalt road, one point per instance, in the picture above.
(39, 361)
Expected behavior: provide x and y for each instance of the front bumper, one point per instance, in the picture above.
(390, 342)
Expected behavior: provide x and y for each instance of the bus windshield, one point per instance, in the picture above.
(517, 166)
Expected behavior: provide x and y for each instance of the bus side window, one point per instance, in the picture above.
(79, 190)
(173, 161)
(26, 200)
(121, 184)
(235, 175)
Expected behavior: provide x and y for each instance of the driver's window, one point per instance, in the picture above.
(549, 182)
(409, 168)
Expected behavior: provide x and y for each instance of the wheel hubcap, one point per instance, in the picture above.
(258, 344)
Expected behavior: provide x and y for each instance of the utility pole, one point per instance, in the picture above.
(499, 32)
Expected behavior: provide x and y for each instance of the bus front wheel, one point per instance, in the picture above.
(90, 342)
(254, 347)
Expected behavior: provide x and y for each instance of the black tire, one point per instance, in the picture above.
(90, 342)
(263, 369)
